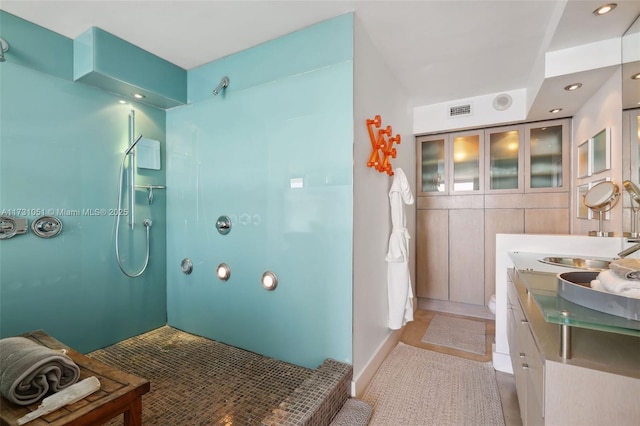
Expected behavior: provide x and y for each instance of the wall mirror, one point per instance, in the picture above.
(583, 160)
(583, 210)
(631, 116)
(601, 151)
(631, 66)
(634, 195)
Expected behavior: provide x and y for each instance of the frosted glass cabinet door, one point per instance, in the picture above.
(432, 168)
(467, 164)
(504, 159)
(547, 156)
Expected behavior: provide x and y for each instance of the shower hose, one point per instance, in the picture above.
(146, 223)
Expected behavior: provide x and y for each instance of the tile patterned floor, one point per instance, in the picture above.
(197, 381)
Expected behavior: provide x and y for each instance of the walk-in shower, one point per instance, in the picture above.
(224, 83)
(129, 154)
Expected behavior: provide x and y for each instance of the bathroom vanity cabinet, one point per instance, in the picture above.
(474, 184)
(599, 384)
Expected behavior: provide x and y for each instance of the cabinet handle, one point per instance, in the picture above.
(524, 322)
(522, 355)
(525, 366)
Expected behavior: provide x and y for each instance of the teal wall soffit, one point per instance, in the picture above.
(326, 43)
(103, 60)
(36, 47)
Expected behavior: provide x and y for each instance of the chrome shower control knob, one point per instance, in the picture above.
(223, 225)
(46, 226)
(186, 265)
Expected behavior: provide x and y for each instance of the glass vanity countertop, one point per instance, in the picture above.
(541, 285)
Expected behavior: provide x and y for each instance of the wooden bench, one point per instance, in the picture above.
(119, 393)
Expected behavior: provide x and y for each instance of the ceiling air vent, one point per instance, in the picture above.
(459, 110)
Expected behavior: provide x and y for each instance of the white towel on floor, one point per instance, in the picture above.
(611, 282)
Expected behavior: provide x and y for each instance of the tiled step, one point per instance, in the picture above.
(317, 400)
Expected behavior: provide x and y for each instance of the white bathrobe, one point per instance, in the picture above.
(398, 277)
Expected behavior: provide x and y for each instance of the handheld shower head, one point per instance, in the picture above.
(4, 47)
(224, 83)
(132, 145)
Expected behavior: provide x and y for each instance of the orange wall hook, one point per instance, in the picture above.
(382, 146)
(374, 159)
(386, 131)
(377, 121)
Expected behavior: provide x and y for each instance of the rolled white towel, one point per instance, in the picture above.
(626, 268)
(611, 282)
(28, 371)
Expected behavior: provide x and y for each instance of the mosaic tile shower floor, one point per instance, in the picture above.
(197, 381)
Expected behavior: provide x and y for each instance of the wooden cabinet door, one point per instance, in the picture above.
(546, 221)
(547, 167)
(504, 153)
(466, 256)
(497, 221)
(432, 254)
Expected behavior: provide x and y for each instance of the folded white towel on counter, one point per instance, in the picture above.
(626, 268)
(29, 371)
(611, 282)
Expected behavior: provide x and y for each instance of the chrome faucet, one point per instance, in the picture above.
(634, 248)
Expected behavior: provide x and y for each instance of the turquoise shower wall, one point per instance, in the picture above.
(275, 154)
(61, 145)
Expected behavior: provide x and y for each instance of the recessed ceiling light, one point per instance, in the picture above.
(138, 96)
(635, 76)
(555, 110)
(122, 101)
(574, 86)
(604, 9)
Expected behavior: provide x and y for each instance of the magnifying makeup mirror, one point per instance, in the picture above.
(601, 198)
(634, 194)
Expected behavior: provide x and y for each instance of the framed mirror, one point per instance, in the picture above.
(630, 120)
(631, 66)
(583, 210)
(583, 159)
(601, 151)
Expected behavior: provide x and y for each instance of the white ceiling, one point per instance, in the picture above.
(439, 50)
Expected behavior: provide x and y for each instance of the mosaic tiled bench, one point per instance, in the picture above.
(317, 400)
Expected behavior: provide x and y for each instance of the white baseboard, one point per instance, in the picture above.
(359, 384)
(502, 362)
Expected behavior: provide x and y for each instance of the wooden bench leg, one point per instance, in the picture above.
(133, 416)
